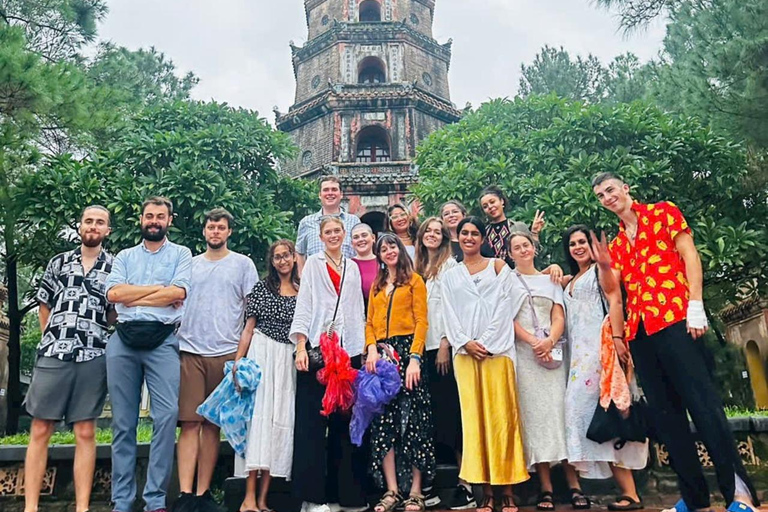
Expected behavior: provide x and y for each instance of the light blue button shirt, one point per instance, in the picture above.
(170, 265)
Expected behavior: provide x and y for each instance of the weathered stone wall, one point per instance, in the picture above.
(315, 139)
(430, 72)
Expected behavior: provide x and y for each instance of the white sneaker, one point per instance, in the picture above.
(357, 509)
(335, 507)
(317, 507)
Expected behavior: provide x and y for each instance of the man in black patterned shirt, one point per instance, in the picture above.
(69, 381)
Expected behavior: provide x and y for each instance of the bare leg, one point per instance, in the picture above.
(390, 476)
(85, 463)
(266, 478)
(487, 502)
(416, 483)
(508, 503)
(626, 483)
(186, 453)
(571, 476)
(545, 481)
(545, 476)
(36, 462)
(208, 456)
(249, 502)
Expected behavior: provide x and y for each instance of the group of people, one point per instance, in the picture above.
(499, 363)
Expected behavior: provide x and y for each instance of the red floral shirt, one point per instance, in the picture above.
(652, 270)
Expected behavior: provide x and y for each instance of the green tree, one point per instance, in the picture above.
(636, 14)
(553, 71)
(624, 80)
(714, 65)
(543, 151)
(40, 101)
(200, 155)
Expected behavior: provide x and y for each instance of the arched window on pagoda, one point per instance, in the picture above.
(371, 71)
(370, 10)
(372, 145)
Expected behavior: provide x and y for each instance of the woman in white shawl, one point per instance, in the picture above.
(328, 277)
(478, 309)
(542, 389)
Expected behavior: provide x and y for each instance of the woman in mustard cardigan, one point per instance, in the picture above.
(401, 438)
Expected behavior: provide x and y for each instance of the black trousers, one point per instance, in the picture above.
(325, 470)
(674, 375)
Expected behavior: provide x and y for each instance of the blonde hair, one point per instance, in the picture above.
(329, 218)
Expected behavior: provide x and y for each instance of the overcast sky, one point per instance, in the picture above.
(239, 48)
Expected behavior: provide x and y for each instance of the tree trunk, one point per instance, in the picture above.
(15, 317)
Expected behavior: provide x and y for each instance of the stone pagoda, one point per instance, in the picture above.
(371, 83)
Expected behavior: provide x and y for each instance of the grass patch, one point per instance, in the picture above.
(103, 436)
(740, 412)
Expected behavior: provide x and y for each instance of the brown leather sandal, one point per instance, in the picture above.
(416, 501)
(388, 502)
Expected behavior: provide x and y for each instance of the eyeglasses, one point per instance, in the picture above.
(277, 258)
(398, 216)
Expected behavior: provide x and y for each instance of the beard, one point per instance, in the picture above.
(91, 240)
(217, 246)
(156, 236)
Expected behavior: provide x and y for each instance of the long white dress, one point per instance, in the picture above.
(585, 315)
(542, 391)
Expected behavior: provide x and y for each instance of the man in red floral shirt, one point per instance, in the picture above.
(656, 260)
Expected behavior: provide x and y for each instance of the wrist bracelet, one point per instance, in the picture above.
(618, 337)
(416, 357)
(301, 351)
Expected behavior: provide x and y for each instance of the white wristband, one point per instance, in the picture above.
(697, 318)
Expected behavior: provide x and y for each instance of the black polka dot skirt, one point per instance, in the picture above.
(406, 426)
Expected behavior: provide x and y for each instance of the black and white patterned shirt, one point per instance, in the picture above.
(77, 325)
(273, 313)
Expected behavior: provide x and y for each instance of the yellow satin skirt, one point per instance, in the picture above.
(490, 419)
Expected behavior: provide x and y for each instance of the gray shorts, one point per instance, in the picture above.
(65, 390)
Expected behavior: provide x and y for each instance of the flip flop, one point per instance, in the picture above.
(739, 506)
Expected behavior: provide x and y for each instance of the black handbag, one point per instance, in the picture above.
(314, 354)
(608, 425)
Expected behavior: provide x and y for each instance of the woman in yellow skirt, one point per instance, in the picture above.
(479, 307)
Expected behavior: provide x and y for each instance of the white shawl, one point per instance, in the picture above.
(317, 300)
(482, 312)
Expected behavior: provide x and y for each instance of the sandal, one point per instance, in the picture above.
(414, 500)
(388, 502)
(631, 504)
(545, 501)
(486, 504)
(579, 501)
(508, 504)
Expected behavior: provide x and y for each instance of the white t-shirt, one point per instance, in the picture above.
(215, 308)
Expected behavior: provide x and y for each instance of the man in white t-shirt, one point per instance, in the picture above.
(208, 338)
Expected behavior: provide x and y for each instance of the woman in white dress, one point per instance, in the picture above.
(326, 469)
(434, 257)
(542, 390)
(478, 304)
(269, 313)
(586, 292)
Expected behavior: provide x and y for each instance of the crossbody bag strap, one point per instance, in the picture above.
(389, 307)
(600, 291)
(530, 300)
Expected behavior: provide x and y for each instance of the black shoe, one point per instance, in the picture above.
(206, 503)
(431, 498)
(462, 499)
(186, 502)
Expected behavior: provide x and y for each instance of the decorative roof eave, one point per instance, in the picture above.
(341, 97)
(744, 309)
(363, 32)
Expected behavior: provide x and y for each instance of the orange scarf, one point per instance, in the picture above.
(614, 383)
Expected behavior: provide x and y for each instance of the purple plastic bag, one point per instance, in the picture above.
(373, 391)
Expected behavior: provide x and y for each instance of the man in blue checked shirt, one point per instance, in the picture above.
(308, 237)
(148, 285)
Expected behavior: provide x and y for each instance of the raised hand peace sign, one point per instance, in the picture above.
(538, 222)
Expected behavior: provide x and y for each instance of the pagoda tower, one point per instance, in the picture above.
(371, 83)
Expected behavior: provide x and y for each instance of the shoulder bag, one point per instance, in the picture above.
(316, 361)
(558, 350)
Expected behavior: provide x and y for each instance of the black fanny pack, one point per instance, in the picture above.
(144, 335)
